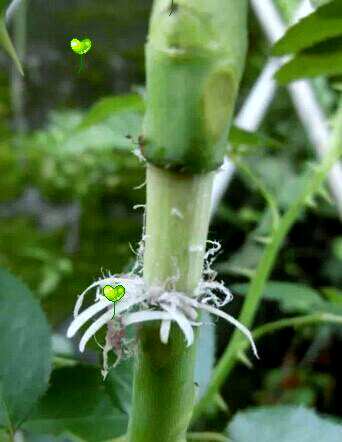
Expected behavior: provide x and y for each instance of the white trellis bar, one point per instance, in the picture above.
(260, 98)
(249, 118)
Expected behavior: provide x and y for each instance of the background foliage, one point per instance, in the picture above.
(68, 186)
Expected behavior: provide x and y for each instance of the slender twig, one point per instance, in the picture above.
(269, 198)
(297, 321)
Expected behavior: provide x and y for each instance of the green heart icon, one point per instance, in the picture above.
(80, 47)
(114, 294)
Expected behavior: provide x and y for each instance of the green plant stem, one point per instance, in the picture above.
(194, 62)
(298, 321)
(177, 219)
(269, 198)
(311, 185)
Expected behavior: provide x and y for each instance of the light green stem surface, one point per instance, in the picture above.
(194, 62)
(311, 185)
(177, 219)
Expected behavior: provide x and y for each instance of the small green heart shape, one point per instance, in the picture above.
(114, 294)
(80, 47)
(86, 45)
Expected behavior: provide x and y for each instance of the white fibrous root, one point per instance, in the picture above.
(142, 303)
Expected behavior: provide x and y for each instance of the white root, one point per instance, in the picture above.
(141, 304)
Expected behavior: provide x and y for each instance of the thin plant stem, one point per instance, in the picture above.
(311, 185)
(297, 321)
(269, 198)
(80, 69)
(177, 220)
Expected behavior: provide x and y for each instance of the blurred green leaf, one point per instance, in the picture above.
(241, 137)
(292, 297)
(105, 135)
(278, 175)
(66, 161)
(78, 402)
(333, 294)
(321, 25)
(244, 261)
(5, 40)
(119, 384)
(25, 350)
(107, 106)
(337, 247)
(283, 424)
(323, 59)
(287, 8)
(294, 385)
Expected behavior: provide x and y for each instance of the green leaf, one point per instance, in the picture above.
(321, 25)
(107, 106)
(78, 402)
(119, 385)
(283, 424)
(323, 59)
(333, 294)
(241, 137)
(107, 135)
(25, 349)
(5, 40)
(292, 297)
(244, 261)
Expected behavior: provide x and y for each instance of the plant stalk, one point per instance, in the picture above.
(194, 62)
(177, 219)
